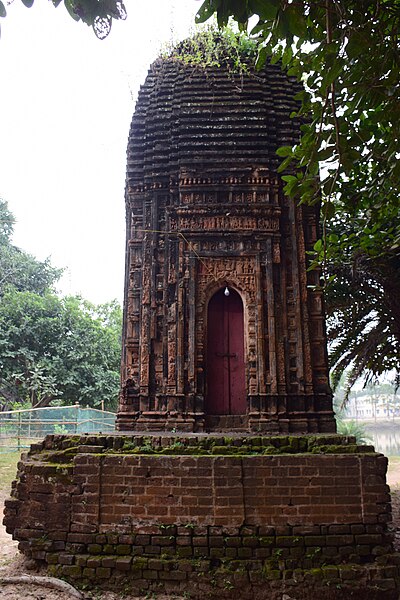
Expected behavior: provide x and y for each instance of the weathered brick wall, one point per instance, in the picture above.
(94, 511)
(230, 491)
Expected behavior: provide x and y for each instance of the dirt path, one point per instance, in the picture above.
(12, 563)
(9, 550)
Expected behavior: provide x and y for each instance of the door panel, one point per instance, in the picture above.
(226, 389)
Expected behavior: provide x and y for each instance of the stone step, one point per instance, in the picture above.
(227, 423)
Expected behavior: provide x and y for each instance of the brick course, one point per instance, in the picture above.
(228, 491)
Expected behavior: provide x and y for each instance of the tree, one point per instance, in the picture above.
(346, 52)
(89, 353)
(55, 348)
(17, 268)
(7, 221)
(52, 348)
(98, 14)
(362, 303)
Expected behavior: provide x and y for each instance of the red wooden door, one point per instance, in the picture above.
(226, 387)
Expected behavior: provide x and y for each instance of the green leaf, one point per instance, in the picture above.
(70, 8)
(301, 96)
(261, 58)
(277, 55)
(333, 72)
(329, 211)
(356, 45)
(333, 238)
(266, 9)
(289, 178)
(282, 27)
(206, 10)
(27, 3)
(239, 10)
(294, 71)
(284, 164)
(318, 246)
(296, 20)
(284, 151)
(287, 56)
(325, 154)
(3, 11)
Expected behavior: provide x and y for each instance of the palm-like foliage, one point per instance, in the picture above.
(355, 429)
(363, 304)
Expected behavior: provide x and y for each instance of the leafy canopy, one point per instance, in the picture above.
(98, 14)
(63, 349)
(51, 348)
(363, 306)
(18, 269)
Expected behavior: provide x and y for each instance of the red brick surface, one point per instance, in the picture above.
(169, 519)
(229, 491)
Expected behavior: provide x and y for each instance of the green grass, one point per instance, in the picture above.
(8, 470)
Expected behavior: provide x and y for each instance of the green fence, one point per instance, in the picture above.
(18, 428)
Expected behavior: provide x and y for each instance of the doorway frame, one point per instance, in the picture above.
(211, 291)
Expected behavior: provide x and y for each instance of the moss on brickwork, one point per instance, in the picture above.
(341, 449)
(61, 449)
(197, 578)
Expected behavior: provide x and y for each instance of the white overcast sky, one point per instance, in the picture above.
(66, 101)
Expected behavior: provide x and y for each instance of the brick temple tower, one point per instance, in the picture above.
(223, 328)
(224, 331)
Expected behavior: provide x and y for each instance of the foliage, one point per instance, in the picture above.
(346, 52)
(362, 304)
(22, 271)
(50, 347)
(210, 47)
(98, 14)
(17, 268)
(53, 347)
(355, 429)
(7, 221)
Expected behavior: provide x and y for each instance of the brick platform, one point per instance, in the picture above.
(195, 512)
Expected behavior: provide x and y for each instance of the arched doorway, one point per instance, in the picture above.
(226, 386)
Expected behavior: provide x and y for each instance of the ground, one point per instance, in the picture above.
(12, 563)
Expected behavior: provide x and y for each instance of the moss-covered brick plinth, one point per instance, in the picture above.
(208, 514)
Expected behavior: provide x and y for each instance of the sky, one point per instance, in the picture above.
(66, 102)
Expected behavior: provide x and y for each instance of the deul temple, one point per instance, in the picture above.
(206, 214)
(226, 478)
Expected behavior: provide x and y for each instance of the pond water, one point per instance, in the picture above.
(385, 436)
